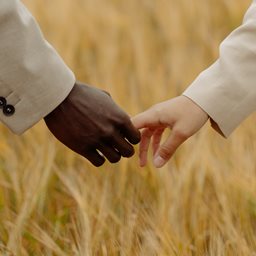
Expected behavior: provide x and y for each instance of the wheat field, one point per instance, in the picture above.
(53, 202)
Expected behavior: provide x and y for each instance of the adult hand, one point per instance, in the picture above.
(180, 114)
(88, 121)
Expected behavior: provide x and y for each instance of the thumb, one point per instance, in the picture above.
(145, 119)
(167, 150)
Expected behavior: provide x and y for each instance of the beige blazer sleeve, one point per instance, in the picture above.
(227, 89)
(33, 78)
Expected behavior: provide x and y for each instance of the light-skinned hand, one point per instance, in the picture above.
(181, 115)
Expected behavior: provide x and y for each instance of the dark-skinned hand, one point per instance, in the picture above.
(90, 123)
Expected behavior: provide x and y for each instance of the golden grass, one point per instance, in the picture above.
(53, 202)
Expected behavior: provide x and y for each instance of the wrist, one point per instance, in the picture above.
(62, 102)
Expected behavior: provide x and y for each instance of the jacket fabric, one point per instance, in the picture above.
(227, 89)
(34, 80)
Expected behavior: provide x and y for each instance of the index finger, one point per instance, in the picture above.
(131, 133)
(145, 119)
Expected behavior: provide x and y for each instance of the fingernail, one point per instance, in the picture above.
(159, 162)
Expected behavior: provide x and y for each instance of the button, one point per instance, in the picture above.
(2, 102)
(9, 110)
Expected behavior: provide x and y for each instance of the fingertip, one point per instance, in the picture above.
(139, 121)
(135, 121)
(142, 163)
(98, 163)
(130, 132)
(128, 153)
(143, 159)
(136, 138)
(159, 162)
(94, 158)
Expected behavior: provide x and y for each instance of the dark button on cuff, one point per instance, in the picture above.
(9, 110)
(2, 102)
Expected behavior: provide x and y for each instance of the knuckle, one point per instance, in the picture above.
(123, 120)
(107, 132)
(181, 134)
(158, 113)
(157, 109)
(165, 152)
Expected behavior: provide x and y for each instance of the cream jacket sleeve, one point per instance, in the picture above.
(33, 78)
(227, 89)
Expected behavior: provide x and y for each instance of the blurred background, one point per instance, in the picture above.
(53, 202)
